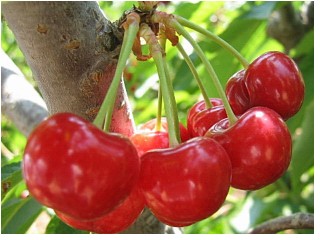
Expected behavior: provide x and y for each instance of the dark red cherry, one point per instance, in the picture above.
(205, 119)
(198, 107)
(259, 147)
(75, 168)
(237, 93)
(186, 184)
(273, 80)
(116, 221)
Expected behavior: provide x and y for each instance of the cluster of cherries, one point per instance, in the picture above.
(101, 182)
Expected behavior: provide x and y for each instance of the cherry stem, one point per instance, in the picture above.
(195, 75)
(165, 85)
(131, 27)
(231, 116)
(215, 38)
(159, 111)
(162, 41)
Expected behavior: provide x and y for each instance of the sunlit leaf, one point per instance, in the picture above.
(17, 215)
(303, 151)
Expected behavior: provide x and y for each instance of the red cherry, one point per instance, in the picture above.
(203, 120)
(185, 184)
(116, 221)
(273, 80)
(198, 107)
(151, 126)
(237, 93)
(75, 168)
(259, 146)
(146, 141)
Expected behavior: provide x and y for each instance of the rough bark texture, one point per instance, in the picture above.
(72, 50)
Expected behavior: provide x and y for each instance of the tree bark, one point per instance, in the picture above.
(295, 221)
(72, 50)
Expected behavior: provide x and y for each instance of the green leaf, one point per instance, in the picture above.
(303, 149)
(306, 44)
(57, 226)
(11, 175)
(238, 35)
(17, 215)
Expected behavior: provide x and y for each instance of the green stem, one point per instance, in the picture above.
(195, 75)
(165, 85)
(107, 106)
(162, 41)
(232, 118)
(159, 111)
(175, 120)
(169, 100)
(215, 38)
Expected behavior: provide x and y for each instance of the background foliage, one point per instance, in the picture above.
(243, 25)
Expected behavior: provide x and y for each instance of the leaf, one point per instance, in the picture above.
(238, 35)
(306, 44)
(11, 175)
(57, 226)
(18, 215)
(187, 9)
(303, 149)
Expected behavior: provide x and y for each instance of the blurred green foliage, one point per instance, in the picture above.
(243, 25)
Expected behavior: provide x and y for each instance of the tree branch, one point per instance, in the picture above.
(72, 50)
(295, 221)
(20, 102)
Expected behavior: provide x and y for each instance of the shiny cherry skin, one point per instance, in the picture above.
(75, 168)
(273, 80)
(186, 184)
(205, 119)
(198, 107)
(145, 141)
(237, 93)
(151, 126)
(259, 147)
(147, 138)
(116, 221)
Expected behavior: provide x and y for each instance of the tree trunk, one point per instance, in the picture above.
(72, 50)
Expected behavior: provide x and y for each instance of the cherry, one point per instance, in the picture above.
(273, 80)
(75, 168)
(185, 184)
(116, 221)
(198, 107)
(145, 141)
(259, 146)
(147, 138)
(203, 120)
(237, 93)
(151, 126)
